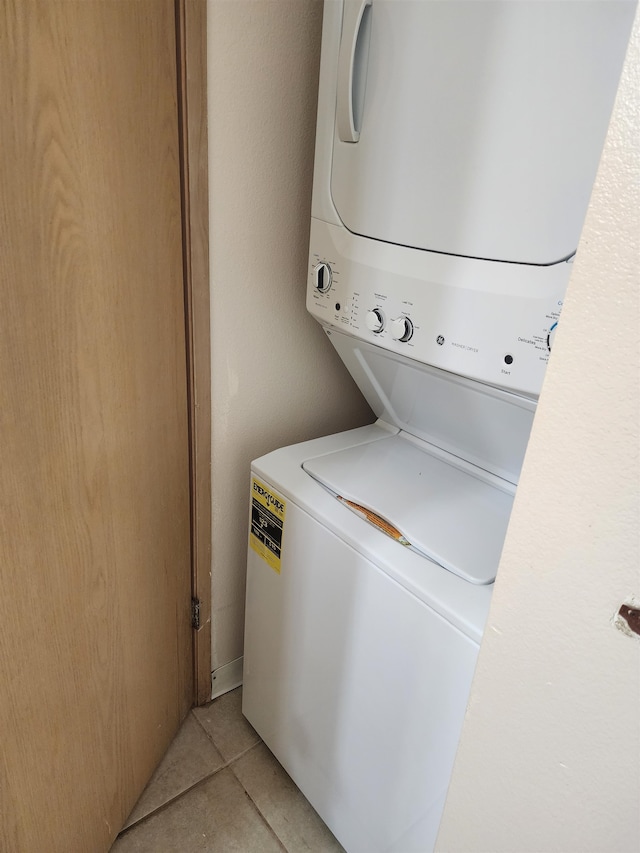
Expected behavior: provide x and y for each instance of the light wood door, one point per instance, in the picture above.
(95, 634)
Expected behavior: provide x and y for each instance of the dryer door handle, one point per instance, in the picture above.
(352, 68)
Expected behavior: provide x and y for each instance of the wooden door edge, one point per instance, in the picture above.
(191, 41)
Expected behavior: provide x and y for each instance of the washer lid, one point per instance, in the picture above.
(437, 504)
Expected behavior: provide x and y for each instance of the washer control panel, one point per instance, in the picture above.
(486, 320)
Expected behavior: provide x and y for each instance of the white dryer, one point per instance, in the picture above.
(456, 147)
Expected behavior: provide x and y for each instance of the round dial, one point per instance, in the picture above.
(551, 335)
(375, 320)
(402, 329)
(322, 277)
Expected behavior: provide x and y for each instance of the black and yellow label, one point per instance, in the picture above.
(267, 523)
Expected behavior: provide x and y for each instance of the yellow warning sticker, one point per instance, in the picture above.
(267, 523)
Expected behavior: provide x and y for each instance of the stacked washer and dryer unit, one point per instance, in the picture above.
(457, 144)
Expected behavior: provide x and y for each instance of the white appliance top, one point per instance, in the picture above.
(439, 505)
(463, 604)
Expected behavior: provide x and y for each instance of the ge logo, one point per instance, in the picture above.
(439, 340)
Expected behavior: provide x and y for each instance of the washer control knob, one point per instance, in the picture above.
(402, 329)
(375, 320)
(322, 277)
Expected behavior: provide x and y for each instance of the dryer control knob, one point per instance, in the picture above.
(375, 320)
(402, 329)
(551, 336)
(322, 277)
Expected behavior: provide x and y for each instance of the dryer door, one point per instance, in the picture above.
(478, 125)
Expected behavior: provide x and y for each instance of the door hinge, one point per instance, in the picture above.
(195, 613)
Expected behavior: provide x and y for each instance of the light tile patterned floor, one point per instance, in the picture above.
(219, 789)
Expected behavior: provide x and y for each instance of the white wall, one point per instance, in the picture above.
(550, 753)
(276, 379)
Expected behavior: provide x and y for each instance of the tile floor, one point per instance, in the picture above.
(219, 789)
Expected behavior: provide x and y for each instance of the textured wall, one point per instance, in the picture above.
(549, 757)
(276, 379)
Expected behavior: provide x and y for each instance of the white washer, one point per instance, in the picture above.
(360, 650)
(359, 655)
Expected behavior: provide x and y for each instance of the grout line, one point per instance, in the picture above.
(200, 782)
(174, 799)
(259, 813)
(210, 737)
(243, 753)
(226, 765)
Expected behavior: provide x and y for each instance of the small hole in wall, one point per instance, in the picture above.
(631, 616)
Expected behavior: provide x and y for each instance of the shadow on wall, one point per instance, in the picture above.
(275, 379)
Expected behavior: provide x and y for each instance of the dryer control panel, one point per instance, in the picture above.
(485, 320)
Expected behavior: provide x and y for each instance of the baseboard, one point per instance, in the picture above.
(226, 678)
